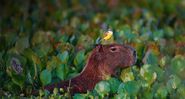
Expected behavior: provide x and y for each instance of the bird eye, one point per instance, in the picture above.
(113, 49)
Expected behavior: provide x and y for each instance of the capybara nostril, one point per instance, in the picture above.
(134, 53)
(135, 56)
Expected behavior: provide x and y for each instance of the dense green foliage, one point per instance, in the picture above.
(43, 42)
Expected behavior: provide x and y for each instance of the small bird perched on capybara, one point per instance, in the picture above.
(103, 61)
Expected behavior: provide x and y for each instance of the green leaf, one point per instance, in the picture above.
(19, 80)
(169, 32)
(178, 66)
(55, 91)
(79, 59)
(114, 84)
(121, 88)
(85, 41)
(64, 38)
(10, 39)
(39, 38)
(148, 74)
(128, 34)
(161, 92)
(102, 88)
(151, 58)
(79, 96)
(61, 71)
(12, 87)
(53, 63)
(127, 75)
(64, 56)
(122, 96)
(181, 91)
(157, 35)
(45, 77)
(43, 49)
(132, 87)
(173, 83)
(21, 44)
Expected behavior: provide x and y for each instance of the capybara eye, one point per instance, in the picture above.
(113, 49)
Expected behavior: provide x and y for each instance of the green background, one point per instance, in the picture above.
(45, 41)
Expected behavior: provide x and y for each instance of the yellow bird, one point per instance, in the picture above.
(108, 35)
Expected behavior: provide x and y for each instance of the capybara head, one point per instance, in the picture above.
(114, 55)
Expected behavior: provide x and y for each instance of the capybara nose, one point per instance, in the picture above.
(134, 53)
(135, 56)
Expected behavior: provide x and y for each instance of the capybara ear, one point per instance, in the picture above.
(99, 48)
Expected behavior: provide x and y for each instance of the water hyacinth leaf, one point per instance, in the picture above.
(145, 33)
(181, 91)
(160, 73)
(114, 84)
(79, 59)
(121, 88)
(10, 39)
(119, 36)
(132, 87)
(128, 34)
(45, 77)
(39, 38)
(18, 80)
(148, 94)
(21, 44)
(157, 35)
(122, 96)
(148, 74)
(73, 39)
(28, 52)
(64, 38)
(61, 71)
(150, 58)
(144, 83)
(64, 56)
(53, 63)
(177, 66)
(55, 91)
(36, 63)
(140, 48)
(2, 43)
(127, 75)
(102, 88)
(168, 32)
(12, 87)
(79, 96)
(85, 41)
(173, 83)
(161, 92)
(163, 61)
(43, 49)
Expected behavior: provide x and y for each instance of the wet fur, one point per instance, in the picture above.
(103, 61)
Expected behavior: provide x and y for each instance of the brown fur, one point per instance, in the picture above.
(103, 61)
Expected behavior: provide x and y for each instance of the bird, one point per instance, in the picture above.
(107, 35)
